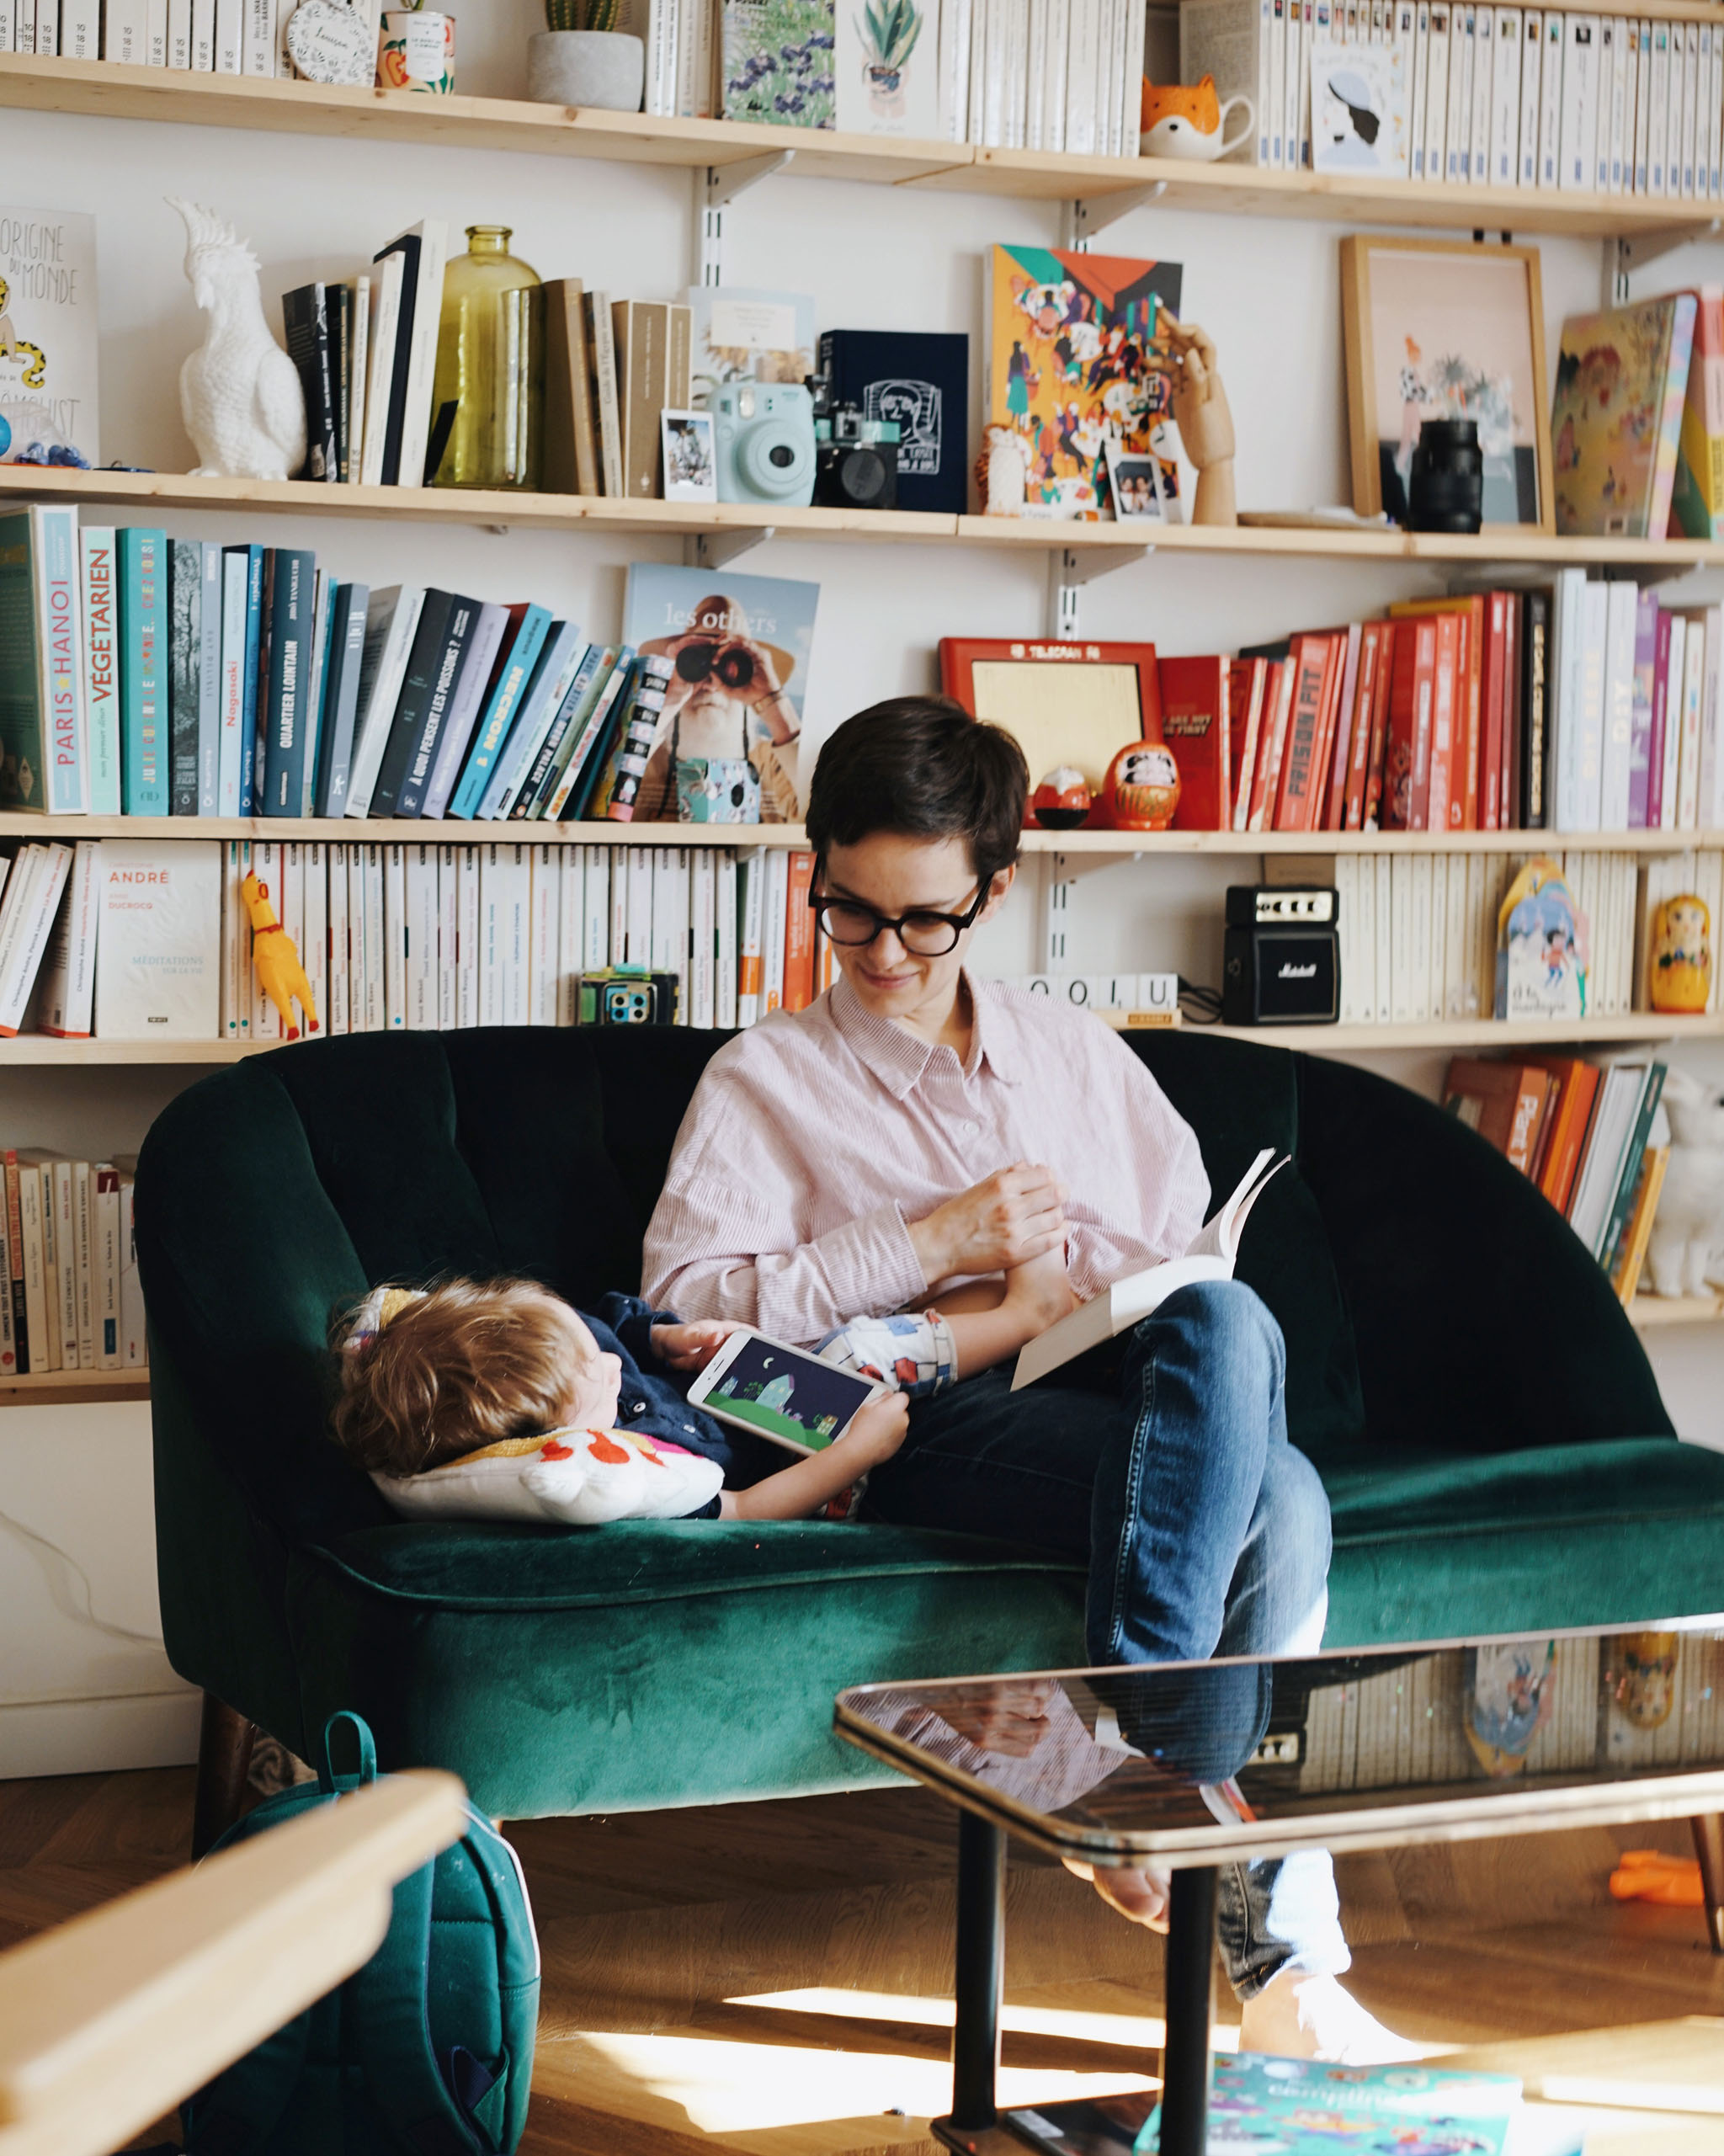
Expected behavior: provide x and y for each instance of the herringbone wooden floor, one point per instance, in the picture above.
(773, 1979)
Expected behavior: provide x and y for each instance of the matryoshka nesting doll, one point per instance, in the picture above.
(1682, 955)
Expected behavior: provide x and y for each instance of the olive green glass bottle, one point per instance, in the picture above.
(490, 366)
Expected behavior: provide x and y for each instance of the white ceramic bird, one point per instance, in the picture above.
(239, 393)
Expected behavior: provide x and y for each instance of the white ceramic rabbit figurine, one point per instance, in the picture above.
(240, 393)
(1688, 1225)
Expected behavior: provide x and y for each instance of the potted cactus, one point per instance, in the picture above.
(888, 30)
(582, 58)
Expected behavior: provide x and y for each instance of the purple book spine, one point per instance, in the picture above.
(1655, 762)
(1640, 739)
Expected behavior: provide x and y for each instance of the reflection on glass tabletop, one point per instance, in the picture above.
(1193, 1762)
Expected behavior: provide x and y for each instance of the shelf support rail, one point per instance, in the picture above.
(1088, 217)
(1069, 569)
(717, 549)
(714, 186)
(1629, 252)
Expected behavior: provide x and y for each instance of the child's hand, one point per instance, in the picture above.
(1040, 1291)
(692, 1347)
(876, 1431)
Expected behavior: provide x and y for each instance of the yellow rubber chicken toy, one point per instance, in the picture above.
(280, 974)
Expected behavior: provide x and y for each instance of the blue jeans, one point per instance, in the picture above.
(1204, 1532)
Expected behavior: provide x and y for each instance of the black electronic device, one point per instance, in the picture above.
(624, 996)
(1281, 964)
(855, 458)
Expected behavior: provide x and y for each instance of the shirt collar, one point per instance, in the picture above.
(899, 1059)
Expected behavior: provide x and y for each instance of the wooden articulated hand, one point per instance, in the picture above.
(280, 973)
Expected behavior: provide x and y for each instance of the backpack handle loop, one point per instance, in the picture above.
(332, 1783)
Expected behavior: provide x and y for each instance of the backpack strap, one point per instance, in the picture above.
(240, 2110)
(393, 2035)
(332, 1783)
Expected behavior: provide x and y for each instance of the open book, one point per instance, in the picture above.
(1212, 1257)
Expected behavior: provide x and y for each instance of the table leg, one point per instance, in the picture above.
(980, 1972)
(1185, 2060)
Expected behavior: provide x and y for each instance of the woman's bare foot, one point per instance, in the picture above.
(1299, 2016)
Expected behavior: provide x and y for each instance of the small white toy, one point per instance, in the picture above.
(1688, 1225)
(570, 1477)
(239, 393)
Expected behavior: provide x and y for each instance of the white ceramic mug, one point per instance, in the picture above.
(1174, 137)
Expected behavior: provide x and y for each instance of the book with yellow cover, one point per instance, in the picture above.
(1640, 1224)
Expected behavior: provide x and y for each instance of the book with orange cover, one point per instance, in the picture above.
(1458, 784)
(1431, 813)
(1493, 736)
(1348, 812)
(1340, 759)
(1343, 666)
(1626, 1277)
(1195, 727)
(1371, 807)
(1570, 1113)
(1504, 1103)
(1245, 679)
(1407, 766)
(1508, 795)
(799, 932)
(1266, 783)
(1312, 659)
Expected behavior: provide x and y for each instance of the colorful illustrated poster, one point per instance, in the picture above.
(1072, 365)
(48, 405)
(1616, 415)
(888, 67)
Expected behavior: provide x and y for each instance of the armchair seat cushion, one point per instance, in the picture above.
(1436, 1546)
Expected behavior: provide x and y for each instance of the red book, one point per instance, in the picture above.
(1430, 803)
(1508, 811)
(1469, 721)
(1323, 762)
(1347, 811)
(1311, 660)
(1194, 726)
(799, 934)
(1245, 679)
(1491, 744)
(1576, 1085)
(1390, 644)
(1341, 755)
(1277, 704)
(1407, 759)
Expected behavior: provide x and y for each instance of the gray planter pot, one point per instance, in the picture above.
(606, 68)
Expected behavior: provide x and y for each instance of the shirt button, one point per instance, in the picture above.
(969, 1128)
(637, 1407)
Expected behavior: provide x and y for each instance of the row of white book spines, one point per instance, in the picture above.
(1049, 75)
(77, 1261)
(1419, 932)
(418, 936)
(197, 37)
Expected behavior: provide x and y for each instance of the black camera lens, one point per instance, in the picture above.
(734, 667)
(782, 454)
(729, 661)
(695, 662)
(1445, 492)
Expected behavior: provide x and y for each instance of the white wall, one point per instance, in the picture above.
(872, 257)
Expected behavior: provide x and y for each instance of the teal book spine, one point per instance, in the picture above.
(1622, 1212)
(143, 669)
(68, 776)
(500, 710)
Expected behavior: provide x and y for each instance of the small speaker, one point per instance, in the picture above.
(1282, 956)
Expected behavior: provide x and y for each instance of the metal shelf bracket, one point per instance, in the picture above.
(714, 186)
(1628, 253)
(1088, 217)
(1069, 568)
(716, 549)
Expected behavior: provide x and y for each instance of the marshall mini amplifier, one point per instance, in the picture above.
(1282, 965)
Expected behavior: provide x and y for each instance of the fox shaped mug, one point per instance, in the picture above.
(1180, 122)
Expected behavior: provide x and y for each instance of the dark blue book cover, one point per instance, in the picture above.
(341, 697)
(921, 378)
(287, 686)
(250, 778)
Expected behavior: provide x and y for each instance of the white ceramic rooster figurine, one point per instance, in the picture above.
(240, 394)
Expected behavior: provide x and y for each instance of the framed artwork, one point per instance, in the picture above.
(1078, 704)
(691, 473)
(1136, 485)
(1442, 329)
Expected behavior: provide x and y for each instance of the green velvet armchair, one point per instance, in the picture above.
(1489, 1430)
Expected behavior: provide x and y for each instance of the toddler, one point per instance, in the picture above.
(432, 1376)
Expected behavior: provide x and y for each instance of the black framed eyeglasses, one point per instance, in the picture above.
(923, 934)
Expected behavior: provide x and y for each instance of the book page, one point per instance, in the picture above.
(1219, 1236)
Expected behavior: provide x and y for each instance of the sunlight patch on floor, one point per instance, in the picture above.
(1144, 2030)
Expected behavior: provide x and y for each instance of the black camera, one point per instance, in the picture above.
(856, 459)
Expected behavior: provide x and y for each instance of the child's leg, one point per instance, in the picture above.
(913, 1355)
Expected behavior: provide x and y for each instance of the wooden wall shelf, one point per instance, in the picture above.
(1651, 1313)
(59, 1388)
(109, 90)
(147, 493)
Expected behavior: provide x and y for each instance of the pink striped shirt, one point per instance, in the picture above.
(816, 1136)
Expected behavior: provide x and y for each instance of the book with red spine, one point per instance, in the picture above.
(1311, 660)
(1245, 679)
(1341, 756)
(1266, 783)
(1347, 814)
(1390, 644)
(1344, 654)
(799, 932)
(1194, 727)
(1431, 813)
(1508, 783)
(1406, 756)
(1490, 738)
(1469, 721)
(1576, 1085)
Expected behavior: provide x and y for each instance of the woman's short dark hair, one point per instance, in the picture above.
(920, 765)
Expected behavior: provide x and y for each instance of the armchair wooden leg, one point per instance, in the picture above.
(224, 1756)
(1709, 1847)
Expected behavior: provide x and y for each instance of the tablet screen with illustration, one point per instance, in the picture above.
(783, 1393)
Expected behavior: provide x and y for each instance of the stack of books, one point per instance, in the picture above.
(205, 37)
(69, 1292)
(1580, 1130)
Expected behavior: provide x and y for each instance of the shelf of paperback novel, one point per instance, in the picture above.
(109, 90)
(501, 511)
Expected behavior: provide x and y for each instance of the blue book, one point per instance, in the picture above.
(316, 708)
(249, 775)
(552, 679)
(577, 707)
(185, 671)
(341, 697)
(143, 668)
(209, 681)
(500, 711)
(291, 582)
(619, 695)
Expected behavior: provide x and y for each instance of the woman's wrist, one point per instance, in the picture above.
(927, 1241)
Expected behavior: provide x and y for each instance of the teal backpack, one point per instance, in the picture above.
(428, 2050)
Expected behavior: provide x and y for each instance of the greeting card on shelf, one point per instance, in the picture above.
(888, 67)
(48, 338)
(1359, 107)
(743, 332)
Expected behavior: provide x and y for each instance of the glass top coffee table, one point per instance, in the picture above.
(1190, 1765)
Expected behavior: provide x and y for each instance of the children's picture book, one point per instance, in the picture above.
(1616, 416)
(888, 67)
(1072, 365)
(1541, 947)
(1212, 1256)
(48, 403)
(777, 57)
(1508, 1693)
(743, 332)
(739, 648)
(1359, 107)
(1697, 503)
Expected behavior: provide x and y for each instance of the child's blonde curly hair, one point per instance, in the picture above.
(464, 1365)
